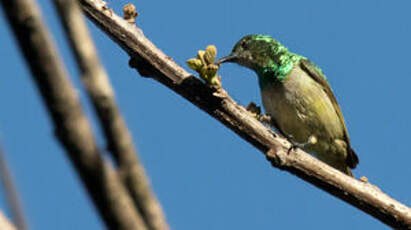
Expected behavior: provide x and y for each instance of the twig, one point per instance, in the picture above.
(11, 194)
(118, 137)
(71, 125)
(5, 224)
(150, 61)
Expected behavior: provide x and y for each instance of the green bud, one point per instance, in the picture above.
(194, 64)
(203, 73)
(215, 81)
(212, 69)
(200, 55)
(204, 65)
(210, 54)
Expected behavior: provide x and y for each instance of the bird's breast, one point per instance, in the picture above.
(301, 108)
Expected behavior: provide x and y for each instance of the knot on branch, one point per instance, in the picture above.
(130, 13)
(277, 157)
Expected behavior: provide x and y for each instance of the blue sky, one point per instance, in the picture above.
(204, 175)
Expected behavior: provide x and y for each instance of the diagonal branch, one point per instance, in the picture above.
(118, 137)
(11, 193)
(72, 127)
(5, 224)
(150, 61)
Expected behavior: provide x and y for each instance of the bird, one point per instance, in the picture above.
(298, 99)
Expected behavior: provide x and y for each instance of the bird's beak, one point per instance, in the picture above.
(229, 58)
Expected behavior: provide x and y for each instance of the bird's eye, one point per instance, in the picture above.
(244, 44)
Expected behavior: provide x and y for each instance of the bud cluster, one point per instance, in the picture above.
(204, 64)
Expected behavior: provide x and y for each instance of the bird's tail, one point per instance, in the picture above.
(339, 164)
(348, 171)
(352, 158)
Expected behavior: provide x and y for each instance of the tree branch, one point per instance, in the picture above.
(11, 194)
(150, 61)
(5, 224)
(118, 137)
(72, 127)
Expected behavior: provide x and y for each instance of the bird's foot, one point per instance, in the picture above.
(294, 144)
(264, 118)
(255, 111)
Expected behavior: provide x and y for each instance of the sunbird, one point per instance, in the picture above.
(297, 97)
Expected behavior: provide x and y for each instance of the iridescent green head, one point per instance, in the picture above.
(264, 55)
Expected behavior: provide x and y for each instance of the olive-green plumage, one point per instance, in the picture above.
(297, 96)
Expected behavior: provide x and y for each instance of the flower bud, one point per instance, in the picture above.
(200, 55)
(210, 54)
(194, 63)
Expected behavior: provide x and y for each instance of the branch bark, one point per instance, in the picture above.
(118, 137)
(11, 193)
(150, 61)
(71, 125)
(5, 224)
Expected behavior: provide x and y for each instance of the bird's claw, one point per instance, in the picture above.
(264, 118)
(294, 144)
(255, 111)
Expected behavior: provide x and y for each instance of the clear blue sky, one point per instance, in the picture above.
(204, 175)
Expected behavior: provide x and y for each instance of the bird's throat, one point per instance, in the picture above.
(278, 70)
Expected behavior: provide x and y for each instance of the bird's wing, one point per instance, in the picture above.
(316, 74)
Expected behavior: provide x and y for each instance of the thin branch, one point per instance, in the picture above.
(72, 127)
(5, 224)
(11, 194)
(150, 61)
(118, 137)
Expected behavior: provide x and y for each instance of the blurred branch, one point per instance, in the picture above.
(11, 194)
(152, 62)
(72, 127)
(118, 137)
(5, 224)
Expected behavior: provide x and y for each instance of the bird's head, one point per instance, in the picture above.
(256, 52)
